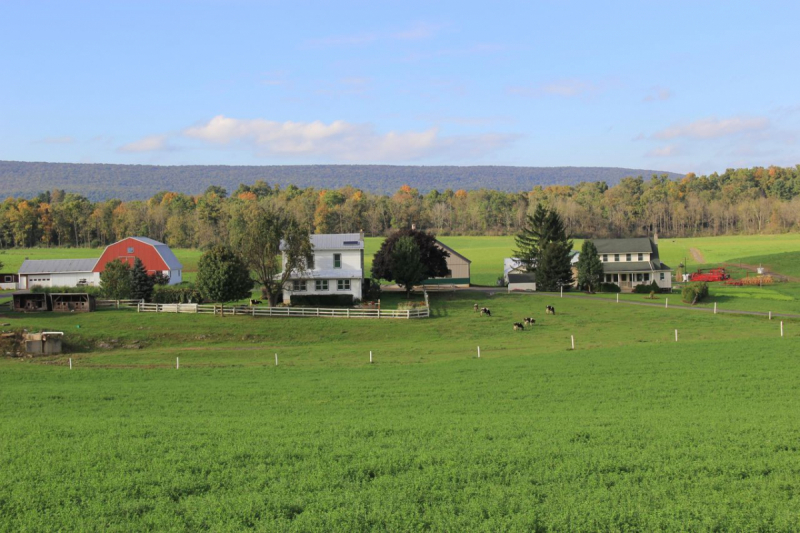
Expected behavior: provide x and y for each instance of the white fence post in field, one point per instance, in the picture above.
(479, 352)
(370, 356)
(138, 307)
(715, 308)
(770, 315)
(666, 303)
(70, 363)
(676, 335)
(781, 328)
(562, 291)
(617, 297)
(177, 363)
(572, 338)
(276, 359)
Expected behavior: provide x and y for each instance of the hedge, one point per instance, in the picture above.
(176, 294)
(608, 287)
(643, 288)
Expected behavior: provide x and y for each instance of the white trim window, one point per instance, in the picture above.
(337, 260)
(321, 285)
(299, 285)
(342, 284)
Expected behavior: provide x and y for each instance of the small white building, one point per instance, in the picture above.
(58, 273)
(337, 267)
(521, 281)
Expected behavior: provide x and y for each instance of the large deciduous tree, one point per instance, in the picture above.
(115, 280)
(590, 268)
(222, 275)
(274, 245)
(432, 256)
(407, 266)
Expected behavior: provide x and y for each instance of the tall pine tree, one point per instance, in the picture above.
(544, 248)
(141, 283)
(590, 268)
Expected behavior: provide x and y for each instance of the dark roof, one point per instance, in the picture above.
(625, 246)
(527, 277)
(448, 249)
(633, 266)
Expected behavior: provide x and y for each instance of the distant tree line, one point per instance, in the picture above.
(754, 200)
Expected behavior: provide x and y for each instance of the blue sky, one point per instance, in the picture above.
(680, 86)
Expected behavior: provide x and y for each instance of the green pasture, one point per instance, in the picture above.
(630, 431)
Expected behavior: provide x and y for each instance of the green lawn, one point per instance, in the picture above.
(631, 431)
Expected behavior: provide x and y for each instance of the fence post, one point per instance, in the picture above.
(70, 363)
(617, 297)
(276, 359)
(676, 335)
(479, 352)
(572, 338)
(770, 315)
(715, 308)
(117, 304)
(562, 291)
(138, 307)
(781, 328)
(177, 363)
(370, 356)
(408, 313)
(666, 303)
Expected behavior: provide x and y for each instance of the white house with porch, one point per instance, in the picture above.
(337, 267)
(631, 262)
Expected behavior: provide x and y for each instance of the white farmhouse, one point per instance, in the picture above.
(631, 262)
(337, 267)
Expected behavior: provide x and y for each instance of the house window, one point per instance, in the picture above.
(623, 277)
(647, 276)
(299, 285)
(9, 279)
(616, 257)
(130, 249)
(641, 257)
(638, 277)
(627, 257)
(337, 260)
(310, 262)
(662, 276)
(321, 285)
(616, 278)
(605, 258)
(343, 284)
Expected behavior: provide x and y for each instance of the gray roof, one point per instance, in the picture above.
(54, 266)
(625, 246)
(633, 266)
(528, 277)
(164, 251)
(337, 241)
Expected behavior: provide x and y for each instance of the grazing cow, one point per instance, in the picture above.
(485, 311)
(475, 308)
(255, 302)
(518, 326)
(529, 321)
(550, 310)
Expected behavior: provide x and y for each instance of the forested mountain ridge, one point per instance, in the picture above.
(139, 182)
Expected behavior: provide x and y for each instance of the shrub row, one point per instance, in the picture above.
(694, 292)
(176, 294)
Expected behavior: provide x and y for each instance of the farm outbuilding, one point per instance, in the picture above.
(73, 302)
(458, 268)
(57, 273)
(9, 281)
(156, 257)
(521, 281)
(29, 302)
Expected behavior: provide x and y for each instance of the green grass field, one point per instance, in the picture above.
(631, 431)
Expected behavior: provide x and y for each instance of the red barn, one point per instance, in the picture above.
(156, 256)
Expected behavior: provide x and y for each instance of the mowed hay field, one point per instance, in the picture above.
(630, 431)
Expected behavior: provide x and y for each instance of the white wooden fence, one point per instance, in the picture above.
(244, 310)
(117, 304)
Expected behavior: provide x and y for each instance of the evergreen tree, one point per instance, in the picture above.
(222, 276)
(141, 283)
(407, 266)
(590, 268)
(115, 280)
(543, 247)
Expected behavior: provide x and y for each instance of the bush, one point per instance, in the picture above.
(371, 290)
(647, 288)
(88, 289)
(694, 292)
(176, 294)
(323, 300)
(608, 287)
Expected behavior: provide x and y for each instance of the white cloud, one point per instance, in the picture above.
(341, 140)
(713, 128)
(657, 94)
(669, 150)
(152, 143)
(416, 32)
